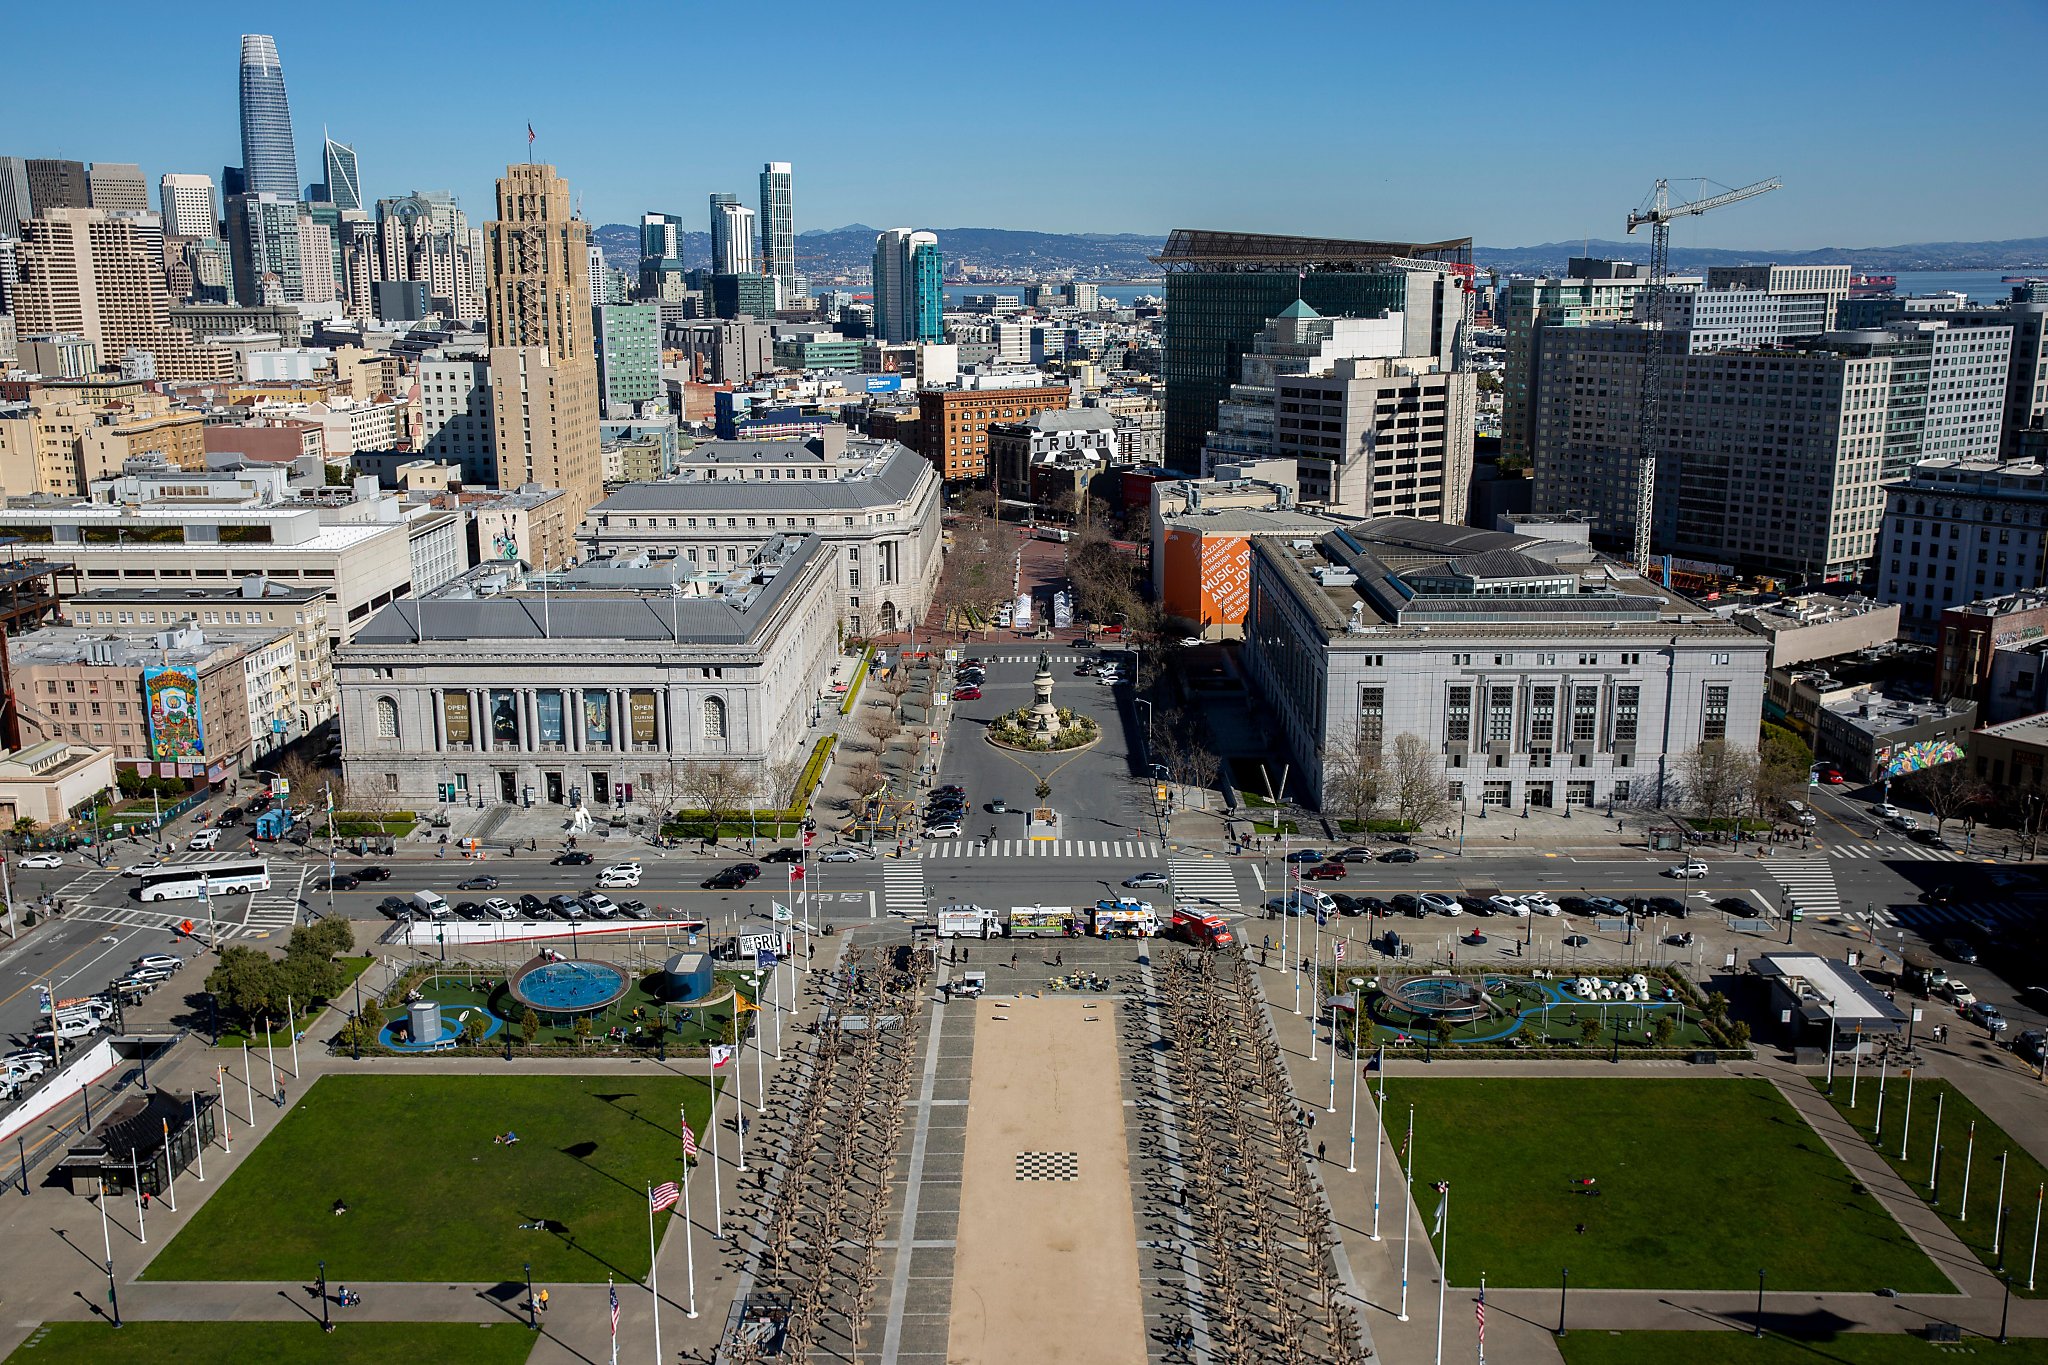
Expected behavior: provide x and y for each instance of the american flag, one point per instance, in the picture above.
(615, 1311)
(689, 1141)
(1479, 1311)
(665, 1196)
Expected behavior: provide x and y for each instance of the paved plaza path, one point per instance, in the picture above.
(1047, 1265)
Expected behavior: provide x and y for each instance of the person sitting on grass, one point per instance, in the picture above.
(340, 1207)
(508, 1138)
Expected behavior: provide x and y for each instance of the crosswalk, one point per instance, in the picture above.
(1042, 848)
(2013, 912)
(1809, 883)
(1089, 657)
(903, 885)
(1204, 881)
(275, 911)
(1907, 853)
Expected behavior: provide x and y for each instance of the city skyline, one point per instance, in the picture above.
(1495, 160)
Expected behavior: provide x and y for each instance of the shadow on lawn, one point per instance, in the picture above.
(616, 1101)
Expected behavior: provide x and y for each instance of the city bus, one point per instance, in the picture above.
(191, 880)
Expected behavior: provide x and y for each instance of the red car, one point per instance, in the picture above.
(1831, 776)
(968, 694)
(1325, 872)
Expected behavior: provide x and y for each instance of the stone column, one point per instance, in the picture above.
(572, 718)
(434, 695)
(480, 719)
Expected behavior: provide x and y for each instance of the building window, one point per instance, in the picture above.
(1458, 716)
(1578, 793)
(1626, 706)
(714, 718)
(387, 718)
(1585, 714)
(1714, 718)
(1621, 790)
(1372, 718)
(1456, 791)
(1500, 714)
(1497, 794)
(1542, 717)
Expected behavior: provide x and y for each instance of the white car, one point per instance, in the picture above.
(600, 905)
(1440, 903)
(1540, 904)
(42, 860)
(945, 831)
(502, 908)
(1303, 901)
(620, 874)
(159, 962)
(1510, 905)
(141, 869)
(1903, 822)
(841, 855)
(203, 840)
(1686, 871)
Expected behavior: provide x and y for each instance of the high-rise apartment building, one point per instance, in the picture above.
(270, 163)
(57, 185)
(1956, 531)
(188, 206)
(1807, 294)
(455, 414)
(628, 355)
(98, 276)
(16, 206)
(1222, 287)
(2026, 376)
(344, 180)
(263, 234)
(544, 393)
(661, 252)
(1769, 458)
(318, 281)
(424, 236)
(909, 283)
(117, 185)
(732, 236)
(778, 228)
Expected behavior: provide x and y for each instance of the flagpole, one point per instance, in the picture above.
(1482, 1318)
(199, 1147)
(689, 1237)
(717, 1201)
(1351, 1160)
(1407, 1223)
(613, 1291)
(1314, 981)
(135, 1177)
(1379, 1138)
(760, 1057)
(653, 1273)
(171, 1165)
(1443, 1267)
(291, 1009)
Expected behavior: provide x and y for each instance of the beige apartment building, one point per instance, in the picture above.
(83, 687)
(100, 278)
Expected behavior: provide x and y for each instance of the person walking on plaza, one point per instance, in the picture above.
(541, 1299)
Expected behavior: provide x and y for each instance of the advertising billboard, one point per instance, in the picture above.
(171, 696)
(885, 383)
(1207, 578)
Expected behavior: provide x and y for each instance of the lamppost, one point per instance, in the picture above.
(1564, 1286)
(532, 1308)
(325, 1325)
(1759, 1303)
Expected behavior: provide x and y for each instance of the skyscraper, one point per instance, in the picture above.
(263, 235)
(270, 164)
(544, 396)
(118, 185)
(87, 272)
(778, 227)
(732, 236)
(344, 185)
(909, 282)
(15, 204)
(188, 206)
(57, 185)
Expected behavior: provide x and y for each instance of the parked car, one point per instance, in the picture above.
(1347, 906)
(198, 843)
(1985, 1015)
(1357, 853)
(500, 908)
(229, 818)
(1305, 855)
(1510, 905)
(1539, 903)
(1399, 855)
(1148, 879)
(530, 904)
(1407, 904)
(784, 855)
(2031, 1045)
(469, 909)
(601, 906)
(1959, 950)
(568, 907)
(1477, 905)
(1959, 993)
(43, 860)
(1605, 905)
(395, 906)
(575, 857)
(482, 881)
(1374, 906)
(1930, 838)
(1436, 902)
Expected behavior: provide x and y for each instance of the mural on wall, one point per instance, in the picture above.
(171, 696)
(1920, 756)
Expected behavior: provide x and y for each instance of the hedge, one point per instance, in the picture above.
(853, 688)
(774, 822)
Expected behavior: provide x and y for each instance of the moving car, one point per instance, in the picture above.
(340, 881)
(43, 860)
(1148, 879)
(1959, 950)
(1357, 853)
(1326, 872)
(575, 857)
(1930, 837)
(229, 818)
(1399, 855)
(968, 693)
(373, 873)
(482, 881)
(394, 906)
(842, 855)
(618, 875)
(999, 807)
(203, 840)
(784, 855)
(948, 830)
(1436, 902)
(1687, 870)
(1305, 855)
(725, 879)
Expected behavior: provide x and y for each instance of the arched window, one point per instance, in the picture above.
(387, 718)
(714, 718)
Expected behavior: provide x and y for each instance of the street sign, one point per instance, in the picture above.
(281, 787)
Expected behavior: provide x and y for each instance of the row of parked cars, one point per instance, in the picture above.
(1416, 905)
(76, 1020)
(588, 905)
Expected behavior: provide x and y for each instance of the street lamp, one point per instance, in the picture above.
(325, 1325)
(1564, 1287)
(532, 1308)
(1759, 1303)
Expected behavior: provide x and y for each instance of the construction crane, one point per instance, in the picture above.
(1657, 212)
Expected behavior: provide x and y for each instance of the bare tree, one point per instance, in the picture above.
(977, 574)
(1414, 783)
(718, 789)
(1717, 781)
(1949, 789)
(879, 724)
(864, 776)
(665, 790)
(898, 685)
(1353, 775)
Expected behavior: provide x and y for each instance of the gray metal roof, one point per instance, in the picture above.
(895, 483)
(622, 615)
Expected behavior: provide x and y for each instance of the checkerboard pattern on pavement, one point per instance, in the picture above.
(1048, 1165)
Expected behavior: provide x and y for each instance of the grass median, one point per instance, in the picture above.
(276, 1343)
(1639, 1183)
(431, 1195)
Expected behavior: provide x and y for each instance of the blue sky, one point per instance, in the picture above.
(1514, 123)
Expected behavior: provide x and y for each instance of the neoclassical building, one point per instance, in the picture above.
(597, 684)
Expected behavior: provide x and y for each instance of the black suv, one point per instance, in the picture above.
(726, 879)
(1406, 904)
(373, 873)
(573, 858)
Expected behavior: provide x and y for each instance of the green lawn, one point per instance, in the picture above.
(1702, 1182)
(276, 1343)
(2024, 1176)
(1740, 1348)
(431, 1197)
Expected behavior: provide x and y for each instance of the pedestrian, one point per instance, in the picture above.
(1311, 1120)
(967, 954)
(1013, 961)
(280, 1094)
(1319, 1151)
(1059, 959)
(342, 1296)
(145, 1201)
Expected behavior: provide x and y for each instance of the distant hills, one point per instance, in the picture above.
(845, 253)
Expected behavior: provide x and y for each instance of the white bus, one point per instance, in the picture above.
(192, 880)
